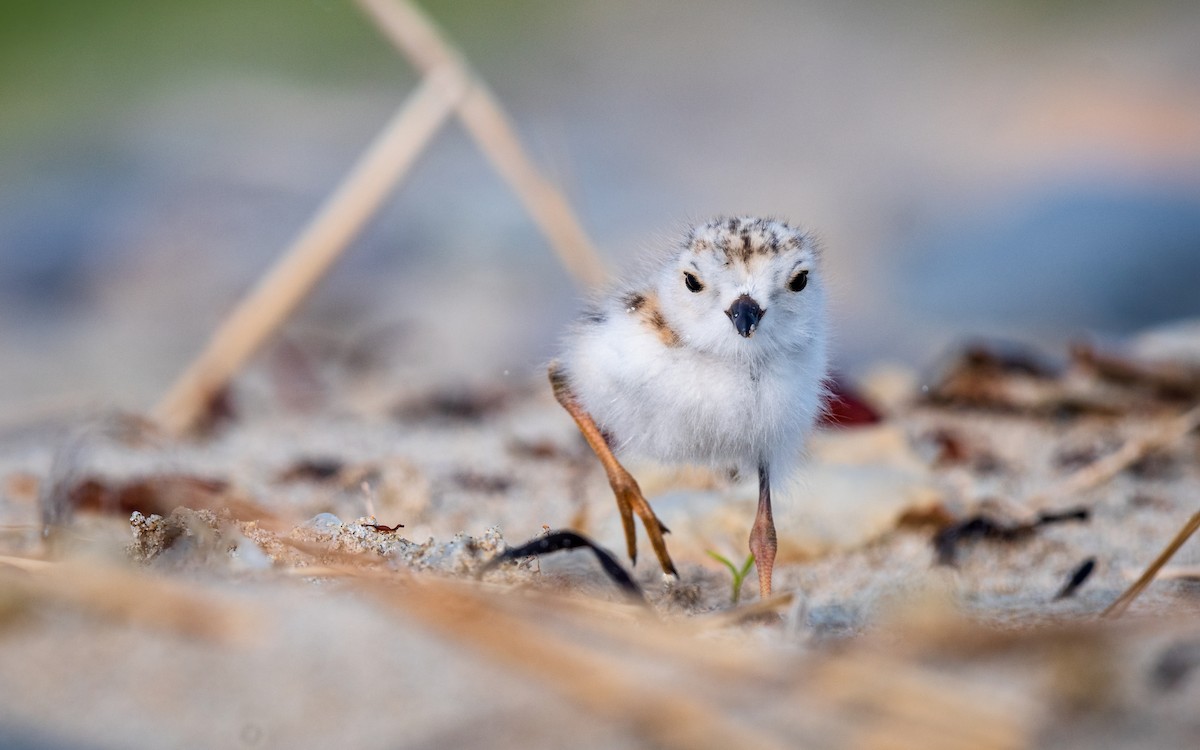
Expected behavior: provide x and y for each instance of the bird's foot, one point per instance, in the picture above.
(630, 500)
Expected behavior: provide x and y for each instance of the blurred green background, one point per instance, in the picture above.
(1030, 170)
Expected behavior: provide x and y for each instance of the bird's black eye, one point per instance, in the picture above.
(799, 281)
(692, 283)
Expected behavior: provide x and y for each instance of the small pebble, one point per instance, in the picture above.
(324, 522)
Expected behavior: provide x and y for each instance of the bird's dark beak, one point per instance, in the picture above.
(745, 314)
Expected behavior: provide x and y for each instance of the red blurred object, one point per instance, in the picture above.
(846, 408)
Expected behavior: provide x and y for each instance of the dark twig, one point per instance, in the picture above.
(1077, 579)
(560, 540)
(946, 541)
(381, 528)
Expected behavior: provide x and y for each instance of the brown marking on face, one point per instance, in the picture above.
(740, 240)
(665, 332)
(772, 244)
(747, 244)
(742, 246)
(633, 301)
(650, 315)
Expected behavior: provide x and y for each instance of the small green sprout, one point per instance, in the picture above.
(739, 576)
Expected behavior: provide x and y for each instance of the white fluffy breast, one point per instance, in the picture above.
(678, 405)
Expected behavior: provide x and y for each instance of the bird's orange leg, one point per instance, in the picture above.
(763, 542)
(629, 496)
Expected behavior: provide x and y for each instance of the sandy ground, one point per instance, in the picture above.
(251, 587)
(261, 597)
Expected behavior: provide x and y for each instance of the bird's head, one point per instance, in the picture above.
(744, 288)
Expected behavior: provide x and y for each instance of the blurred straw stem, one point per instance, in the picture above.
(27, 564)
(706, 692)
(418, 38)
(587, 677)
(311, 254)
(1162, 435)
(448, 85)
(130, 597)
(1180, 573)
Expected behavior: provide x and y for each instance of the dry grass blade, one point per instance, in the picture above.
(665, 717)
(1125, 599)
(130, 597)
(1101, 471)
(28, 564)
(497, 138)
(1180, 573)
(861, 698)
(750, 611)
(415, 35)
(1165, 378)
(893, 705)
(628, 627)
(312, 253)
(631, 627)
(48, 412)
(319, 571)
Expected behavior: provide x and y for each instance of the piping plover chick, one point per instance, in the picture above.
(715, 355)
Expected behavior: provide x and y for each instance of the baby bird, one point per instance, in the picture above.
(715, 355)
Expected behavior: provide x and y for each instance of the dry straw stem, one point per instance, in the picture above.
(318, 571)
(751, 611)
(46, 412)
(311, 254)
(665, 717)
(628, 628)
(1098, 472)
(595, 653)
(416, 36)
(894, 705)
(612, 622)
(1124, 600)
(691, 699)
(129, 597)
(27, 564)
(1180, 573)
